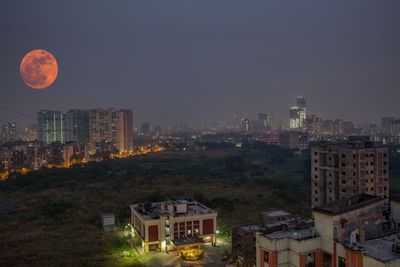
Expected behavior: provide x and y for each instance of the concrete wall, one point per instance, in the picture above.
(395, 206)
(324, 227)
(289, 251)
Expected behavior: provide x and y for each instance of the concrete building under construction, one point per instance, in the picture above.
(341, 169)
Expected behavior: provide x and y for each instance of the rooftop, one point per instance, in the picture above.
(175, 208)
(354, 142)
(382, 249)
(347, 204)
(296, 234)
(250, 227)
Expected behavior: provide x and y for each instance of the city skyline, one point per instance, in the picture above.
(255, 58)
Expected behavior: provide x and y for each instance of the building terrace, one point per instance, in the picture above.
(348, 204)
(175, 208)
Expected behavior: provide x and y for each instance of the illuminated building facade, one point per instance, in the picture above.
(77, 126)
(294, 117)
(297, 114)
(174, 225)
(51, 126)
(111, 126)
(31, 133)
(245, 125)
(8, 132)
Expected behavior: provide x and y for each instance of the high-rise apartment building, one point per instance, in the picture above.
(103, 127)
(77, 126)
(346, 168)
(338, 127)
(125, 130)
(30, 133)
(51, 126)
(8, 132)
(314, 125)
(111, 126)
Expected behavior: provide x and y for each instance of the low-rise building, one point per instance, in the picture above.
(108, 222)
(358, 231)
(244, 245)
(174, 225)
(293, 140)
(272, 217)
(244, 235)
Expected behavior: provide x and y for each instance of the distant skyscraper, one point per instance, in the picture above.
(146, 129)
(245, 125)
(338, 128)
(8, 132)
(297, 114)
(348, 128)
(294, 117)
(314, 125)
(327, 127)
(31, 132)
(395, 128)
(112, 126)
(301, 102)
(77, 126)
(387, 123)
(51, 126)
(266, 120)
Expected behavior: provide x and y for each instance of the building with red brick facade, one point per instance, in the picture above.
(174, 224)
(360, 231)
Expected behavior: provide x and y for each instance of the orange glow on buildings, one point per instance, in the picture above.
(136, 152)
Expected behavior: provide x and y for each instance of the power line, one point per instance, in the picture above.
(18, 112)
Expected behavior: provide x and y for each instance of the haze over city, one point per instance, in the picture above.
(198, 61)
(200, 133)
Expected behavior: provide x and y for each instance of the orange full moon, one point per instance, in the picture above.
(39, 69)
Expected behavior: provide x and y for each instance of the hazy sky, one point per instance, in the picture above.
(181, 61)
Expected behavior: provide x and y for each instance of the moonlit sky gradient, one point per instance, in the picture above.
(197, 61)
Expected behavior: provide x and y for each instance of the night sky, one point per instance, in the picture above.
(197, 61)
